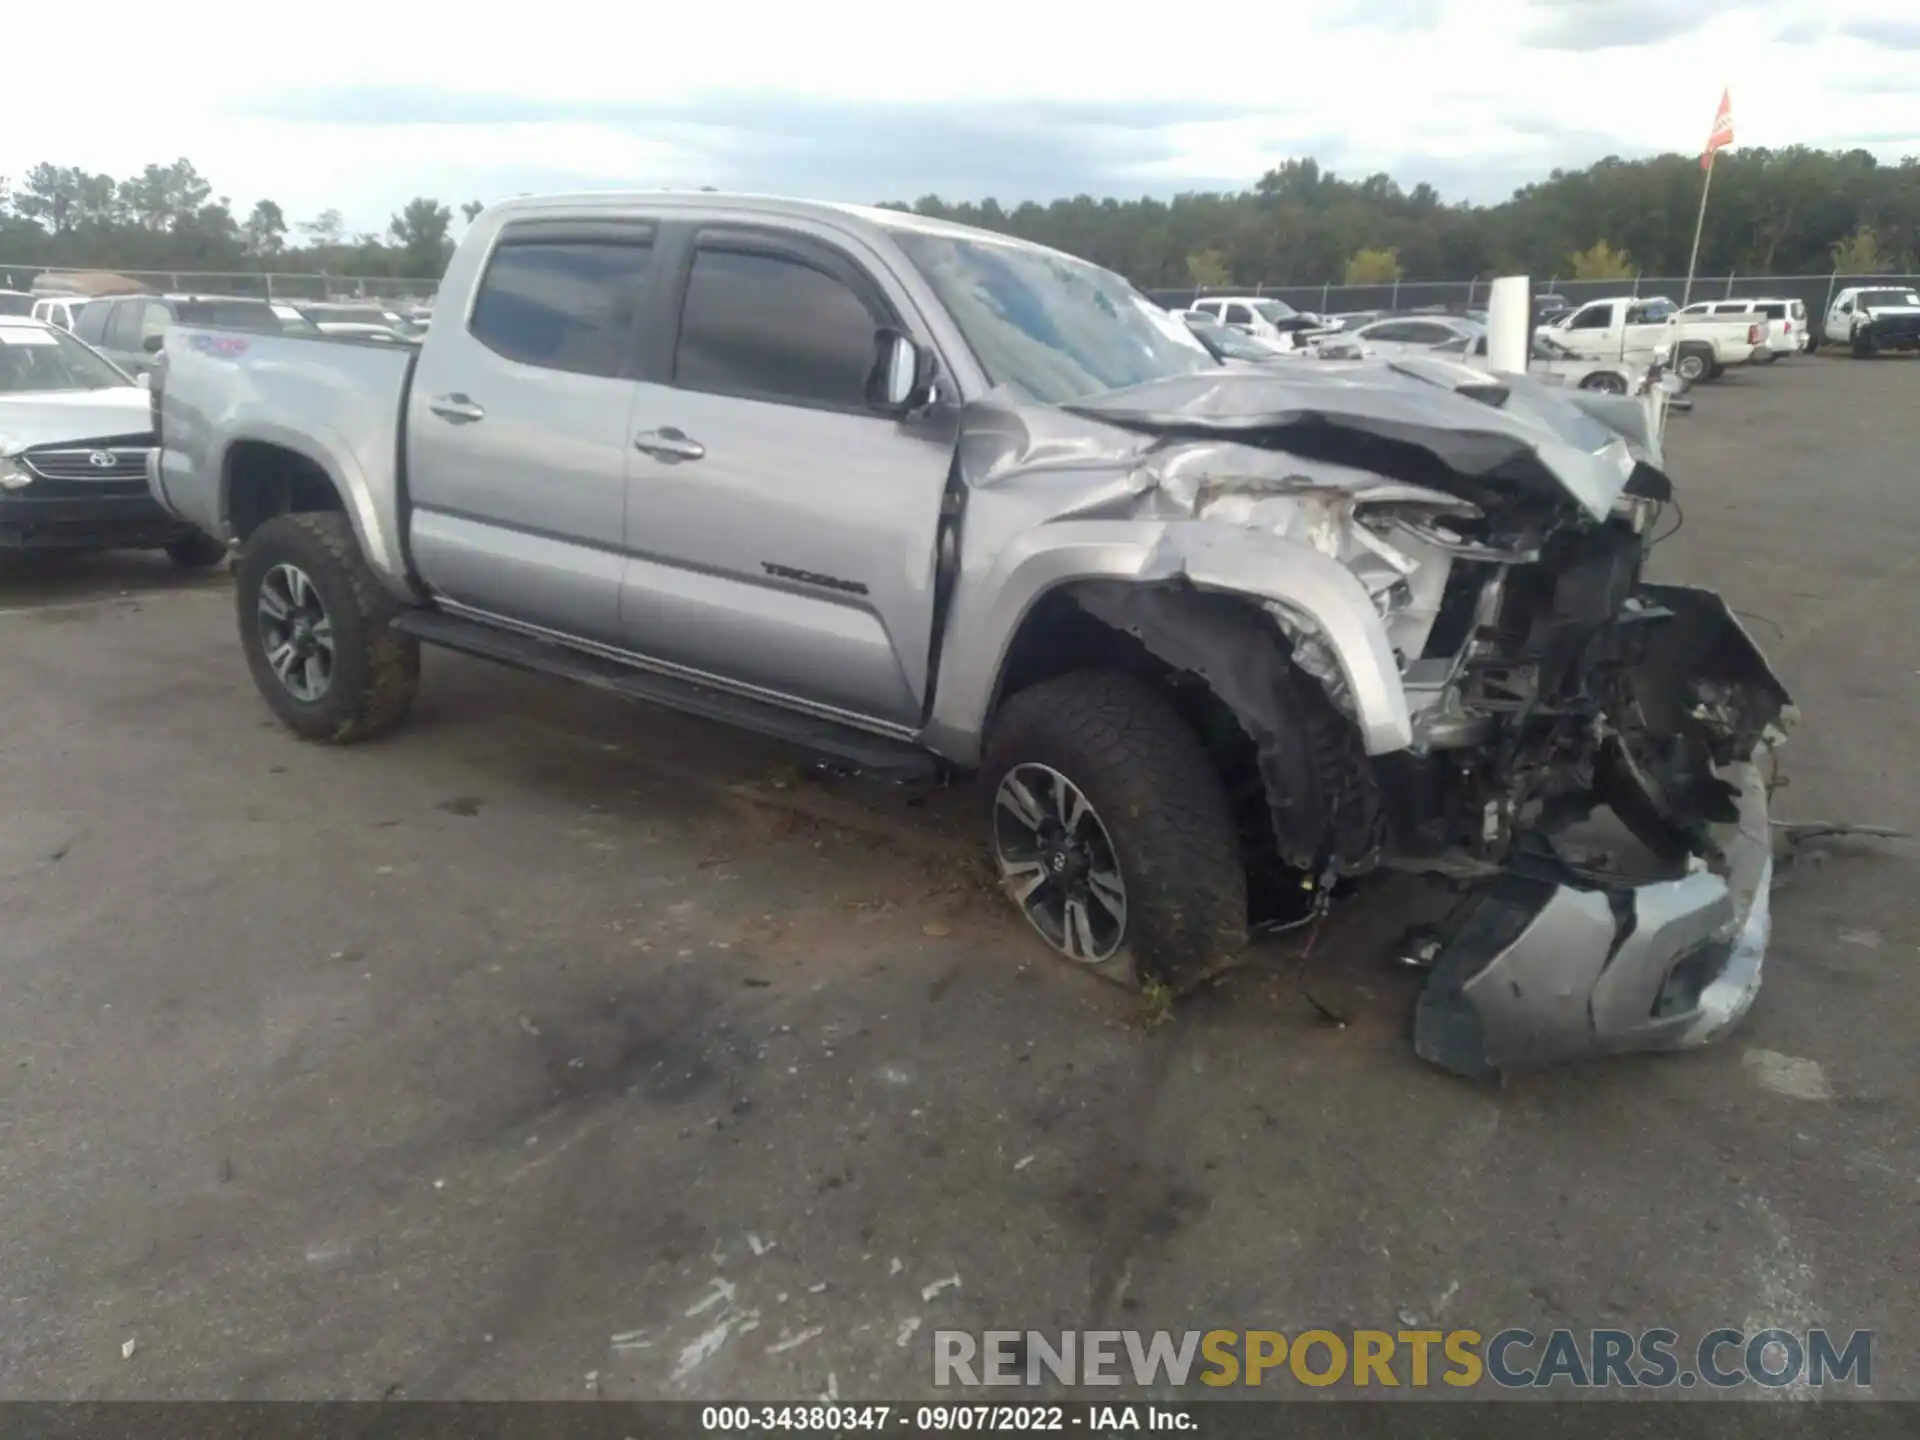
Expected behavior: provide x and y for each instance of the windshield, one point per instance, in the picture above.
(1274, 311)
(1890, 297)
(1056, 328)
(36, 359)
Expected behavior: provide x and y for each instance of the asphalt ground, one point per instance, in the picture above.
(554, 1047)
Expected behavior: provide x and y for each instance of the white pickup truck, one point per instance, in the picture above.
(1651, 329)
(1870, 318)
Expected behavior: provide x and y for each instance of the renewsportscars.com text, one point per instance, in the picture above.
(1509, 1359)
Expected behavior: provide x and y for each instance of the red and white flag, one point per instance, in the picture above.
(1722, 132)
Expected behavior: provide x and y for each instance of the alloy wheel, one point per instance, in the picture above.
(296, 633)
(1057, 862)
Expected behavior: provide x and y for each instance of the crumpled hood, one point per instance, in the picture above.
(1496, 428)
(70, 416)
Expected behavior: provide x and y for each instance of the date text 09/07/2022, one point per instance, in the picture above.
(942, 1419)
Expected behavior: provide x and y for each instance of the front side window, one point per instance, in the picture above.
(1055, 328)
(1239, 315)
(1594, 317)
(563, 304)
(762, 321)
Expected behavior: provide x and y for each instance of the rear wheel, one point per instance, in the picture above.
(314, 625)
(1606, 382)
(1111, 831)
(1693, 364)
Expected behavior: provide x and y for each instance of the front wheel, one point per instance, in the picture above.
(1112, 832)
(196, 551)
(1605, 382)
(314, 625)
(1863, 346)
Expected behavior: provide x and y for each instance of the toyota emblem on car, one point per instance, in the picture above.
(102, 460)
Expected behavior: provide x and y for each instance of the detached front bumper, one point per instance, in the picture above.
(1540, 968)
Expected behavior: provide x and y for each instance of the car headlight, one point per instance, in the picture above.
(13, 475)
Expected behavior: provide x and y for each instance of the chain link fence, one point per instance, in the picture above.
(264, 285)
(1816, 291)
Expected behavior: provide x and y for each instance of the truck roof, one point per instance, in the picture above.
(871, 216)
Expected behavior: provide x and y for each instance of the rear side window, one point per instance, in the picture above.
(564, 304)
(1774, 312)
(91, 323)
(123, 330)
(773, 323)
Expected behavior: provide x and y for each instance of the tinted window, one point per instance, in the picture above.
(1239, 315)
(1430, 334)
(91, 323)
(254, 315)
(757, 322)
(563, 304)
(1774, 312)
(1393, 332)
(14, 303)
(123, 329)
(1594, 317)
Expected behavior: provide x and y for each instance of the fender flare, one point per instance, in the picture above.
(989, 610)
(328, 452)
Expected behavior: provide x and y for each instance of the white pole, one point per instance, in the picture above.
(1698, 225)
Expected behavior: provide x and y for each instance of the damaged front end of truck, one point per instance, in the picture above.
(1450, 567)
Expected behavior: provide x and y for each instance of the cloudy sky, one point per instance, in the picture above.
(362, 105)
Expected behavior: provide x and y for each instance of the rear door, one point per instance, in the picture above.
(781, 535)
(517, 429)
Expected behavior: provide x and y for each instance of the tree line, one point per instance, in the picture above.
(1788, 211)
(168, 218)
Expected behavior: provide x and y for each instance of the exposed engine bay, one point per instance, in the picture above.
(1575, 750)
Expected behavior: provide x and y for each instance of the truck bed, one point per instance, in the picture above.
(349, 397)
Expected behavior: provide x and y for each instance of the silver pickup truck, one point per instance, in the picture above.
(931, 502)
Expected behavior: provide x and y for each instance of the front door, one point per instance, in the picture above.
(517, 429)
(781, 535)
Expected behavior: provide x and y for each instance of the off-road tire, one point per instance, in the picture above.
(1862, 344)
(196, 551)
(376, 668)
(1148, 777)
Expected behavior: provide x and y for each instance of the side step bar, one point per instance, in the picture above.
(831, 740)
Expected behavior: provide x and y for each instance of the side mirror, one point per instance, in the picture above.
(153, 343)
(901, 380)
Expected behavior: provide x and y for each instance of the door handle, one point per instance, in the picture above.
(667, 443)
(456, 407)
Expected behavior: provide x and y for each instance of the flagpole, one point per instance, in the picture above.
(1698, 225)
